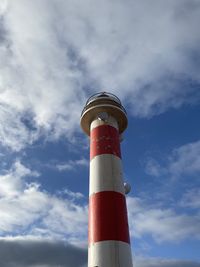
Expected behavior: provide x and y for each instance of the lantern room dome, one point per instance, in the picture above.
(103, 102)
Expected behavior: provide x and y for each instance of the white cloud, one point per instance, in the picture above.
(153, 168)
(191, 199)
(13, 132)
(162, 224)
(72, 164)
(144, 53)
(24, 207)
(35, 77)
(73, 195)
(20, 212)
(184, 160)
(66, 219)
(11, 181)
(158, 262)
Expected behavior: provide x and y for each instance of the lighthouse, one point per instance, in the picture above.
(104, 120)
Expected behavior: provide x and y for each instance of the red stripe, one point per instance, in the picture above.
(104, 139)
(108, 217)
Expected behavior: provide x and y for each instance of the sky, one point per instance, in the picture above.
(54, 54)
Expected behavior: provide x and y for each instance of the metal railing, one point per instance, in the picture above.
(103, 95)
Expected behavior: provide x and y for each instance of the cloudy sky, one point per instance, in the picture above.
(53, 55)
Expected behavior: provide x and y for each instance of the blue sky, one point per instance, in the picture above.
(53, 55)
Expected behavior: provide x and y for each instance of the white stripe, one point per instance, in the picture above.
(109, 254)
(106, 174)
(110, 121)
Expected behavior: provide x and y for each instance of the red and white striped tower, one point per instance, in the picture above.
(104, 119)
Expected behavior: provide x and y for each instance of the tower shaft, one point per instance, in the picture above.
(109, 242)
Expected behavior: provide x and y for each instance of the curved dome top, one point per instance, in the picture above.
(103, 95)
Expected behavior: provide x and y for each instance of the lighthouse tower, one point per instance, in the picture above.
(104, 120)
